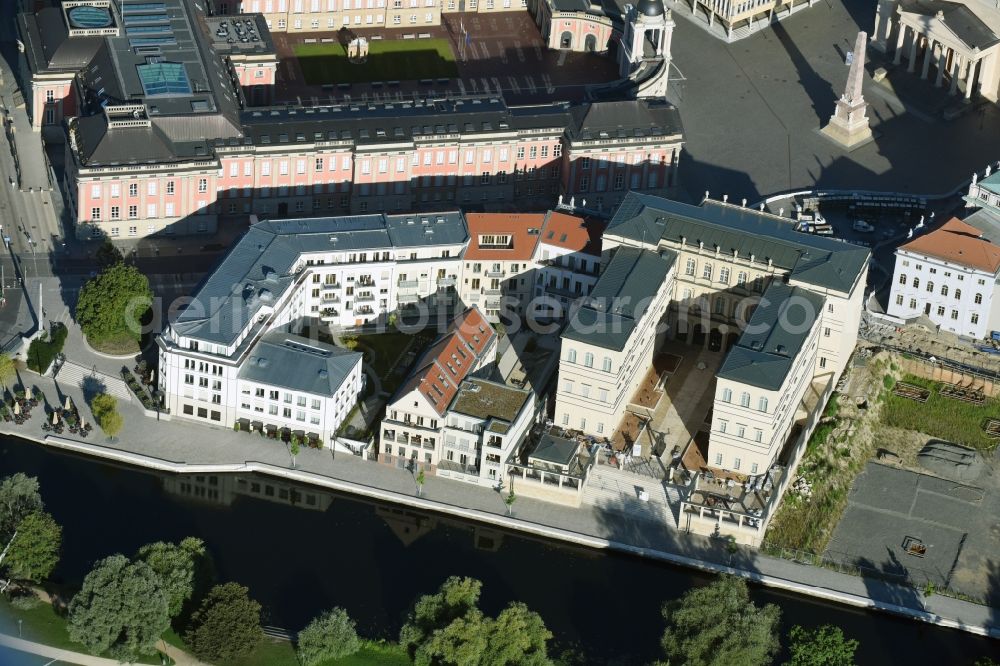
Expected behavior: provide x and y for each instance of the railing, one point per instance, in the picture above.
(495, 274)
(408, 284)
(364, 298)
(446, 281)
(332, 285)
(492, 292)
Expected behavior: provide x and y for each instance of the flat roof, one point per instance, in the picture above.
(483, 399)
(555, 450)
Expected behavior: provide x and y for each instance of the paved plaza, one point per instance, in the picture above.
(959, 525)
(752, 111)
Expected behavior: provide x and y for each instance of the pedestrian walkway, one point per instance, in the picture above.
(66, 656)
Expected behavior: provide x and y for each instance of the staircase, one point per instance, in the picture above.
(612, 489)
(74, 374)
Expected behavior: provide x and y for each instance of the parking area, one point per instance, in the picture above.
(493, 52)
(923, 529)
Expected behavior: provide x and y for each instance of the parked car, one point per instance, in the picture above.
(863, 227)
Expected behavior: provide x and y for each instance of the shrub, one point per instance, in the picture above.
(226, 626)
(25, 602)
(330, 636)
(888, 382)
(43, 350)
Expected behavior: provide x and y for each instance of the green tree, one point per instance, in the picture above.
(294, 446)
(108, 255)
(176, 565)
(718, 625)
(420, 481)
(822, 646)
(102, 404)
(105, 409)
(121, 609)
(456, 597)
(8, 370)
(461, 643)
(111, 304)
(226, 625)
(19, 496)
(517, 636)
(330, 636)
(34, 552)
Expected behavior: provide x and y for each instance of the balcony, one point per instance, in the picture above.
(331, 298)
(495, 274)
(446, 281)
(332, 285)
(365, 297)
(493, 303)
(407, 299)
(363, 310)
(408, 284)
(365, 281)
(329, 313)
(492, 292)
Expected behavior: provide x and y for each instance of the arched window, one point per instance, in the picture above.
(572, 356)
(902, 278)
(958, 294)
(741, 279)
(607, 364)
(930, 286)
(944, 290)
(762, 404)
(745, 399)
(979, 299)
(588, 360)
(689, 268)
(727, 395)
(916, 282)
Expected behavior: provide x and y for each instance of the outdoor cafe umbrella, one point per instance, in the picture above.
(69, 404)
(17, 408)
(55, 418)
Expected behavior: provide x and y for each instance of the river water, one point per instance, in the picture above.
(300, 551)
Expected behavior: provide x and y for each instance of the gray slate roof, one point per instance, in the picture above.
(258, 269)
(555, 450)
(816, 260)
(625, 119)
(620, 298)
(766, 351)
(959, 18)
(299, 364)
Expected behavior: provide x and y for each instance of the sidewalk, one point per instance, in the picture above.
(50, 652)
(179, 446)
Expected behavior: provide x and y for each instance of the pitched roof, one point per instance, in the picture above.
(620, 298)
(815, 260)
(300, 364)
(958, 243)
(961, 20)
(780, 324)
(447, 362)
(572, 233)
(523, 229)
(555, 450)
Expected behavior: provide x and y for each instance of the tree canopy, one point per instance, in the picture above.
(176, 565)
(34, 551)
(447, 628)
(822, 646)
(105, 409)
(226, 625)
(329, 636)
(112, 303)
(8, 370)
(120, 610)
(19, 496)
(718, 625)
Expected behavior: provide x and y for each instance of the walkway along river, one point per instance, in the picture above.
(301, 550)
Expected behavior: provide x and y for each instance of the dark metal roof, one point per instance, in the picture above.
(299, 364)
(767, 349)
(625, 120)
(555, 450)
(816, 260)
(621, 296)
(650, 7)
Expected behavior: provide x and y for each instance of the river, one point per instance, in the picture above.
(374, 559)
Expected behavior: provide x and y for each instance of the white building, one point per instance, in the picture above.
(609, 342)
(413, 426)
(568, 257)
(950, 276)
(280, 275)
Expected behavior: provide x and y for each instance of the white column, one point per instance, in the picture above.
(914, 40)
(970, 77)
(942, 59)
(900, 38)
(928, 54)
(956, 70)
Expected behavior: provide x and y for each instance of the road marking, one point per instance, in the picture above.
(486, 84)
(503, 52)
(529, 82)
(496, 83)
(513, 84)
(461, 86)
(562, 59)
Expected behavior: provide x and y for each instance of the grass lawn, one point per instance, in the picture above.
(42, 625)
(388, 60)
(116, 346)
(386, 348)
(951, 420)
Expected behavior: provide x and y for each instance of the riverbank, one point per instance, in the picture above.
(182, 448)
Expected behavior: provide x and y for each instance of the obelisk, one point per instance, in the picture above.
(849, 124)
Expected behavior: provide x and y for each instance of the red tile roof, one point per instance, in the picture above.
(450, 359)
(518, 226)
(958, 243)
(573, 233)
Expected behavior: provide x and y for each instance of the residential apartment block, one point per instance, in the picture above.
(785, 304)
(162, 138)
(951, 276)
(609, 341)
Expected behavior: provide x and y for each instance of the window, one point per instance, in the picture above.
(940, 310)
(572, 356)
(722, 425)
(202, 185)
(899, 299)
(930, 286)
(170, 187)
(95, 213)
(762, 404)
(902, 278)
(954, 314)
(607, 364)
(724, 275)
(958, 294)
(133, 212)
(758, 436)
(975, 318)
(706, 271)
(736, 463)
(741, 279)
(916, 282)
(913, 303)
(133, 189)
(588, 360)
(727, 395)
(822, 361)
(944, 289)
(826, 332)
(978, 299)
(689, 267)
(565, 419)
(115, 212)
(718, 459)
(744, 399)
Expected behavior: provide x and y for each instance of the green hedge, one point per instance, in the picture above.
(43, 350)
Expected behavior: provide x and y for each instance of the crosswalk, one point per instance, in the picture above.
(75, 374)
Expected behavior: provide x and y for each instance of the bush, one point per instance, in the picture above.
(25, 602)
(330, 636)
(888, 382)
(43, 350)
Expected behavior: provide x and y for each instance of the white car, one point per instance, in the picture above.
(863, 227)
